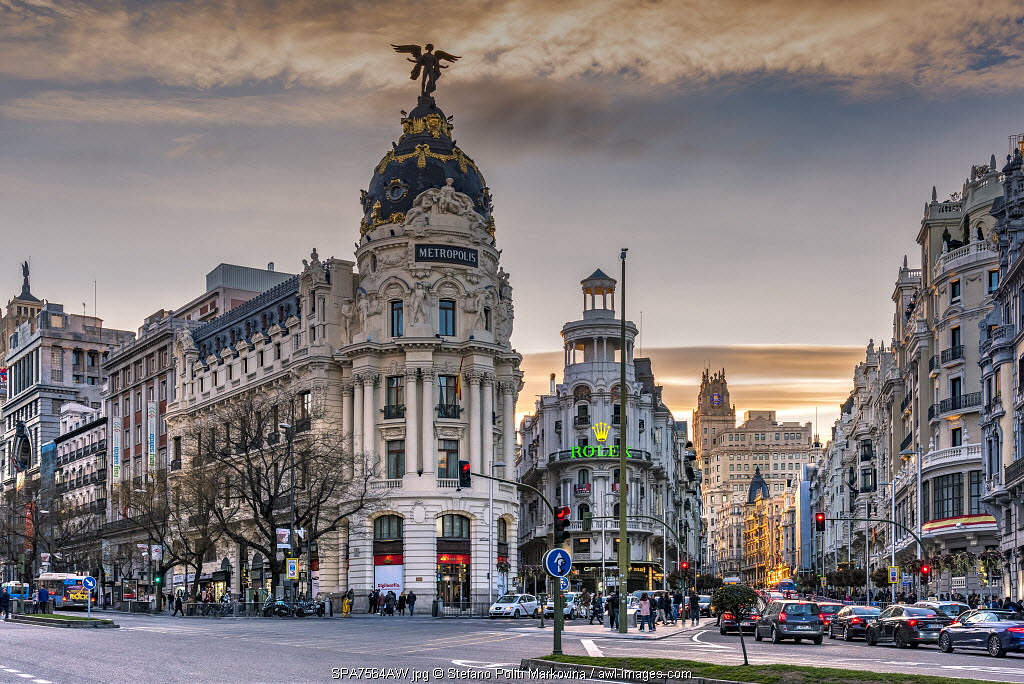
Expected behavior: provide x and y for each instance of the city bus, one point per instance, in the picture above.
(18, 590)
(66, 589)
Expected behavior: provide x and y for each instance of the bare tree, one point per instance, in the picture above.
(263, 472)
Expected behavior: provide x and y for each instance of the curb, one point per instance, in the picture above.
(611, 673)
(56, 622)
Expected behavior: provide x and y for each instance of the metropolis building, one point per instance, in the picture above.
(406, 349)
(570, 452)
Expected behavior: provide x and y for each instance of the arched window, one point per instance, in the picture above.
(453, 526)
(388, 528)
(584, 508)
(502, 531)
(615, 510)
(583, 476)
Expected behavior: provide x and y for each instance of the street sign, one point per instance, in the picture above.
(894, 574)
(89, 583)
(557, 562)
(563, 583)
(824, 582)
(293, 568)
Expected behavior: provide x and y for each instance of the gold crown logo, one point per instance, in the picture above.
(601, 431)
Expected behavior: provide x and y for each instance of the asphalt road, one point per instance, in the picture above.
(150, 650)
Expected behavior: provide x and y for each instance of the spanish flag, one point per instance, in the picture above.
(458, 381)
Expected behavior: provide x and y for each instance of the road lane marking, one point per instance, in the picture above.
(481, 665)
(26, 676)
(42, 681)
(592, 649)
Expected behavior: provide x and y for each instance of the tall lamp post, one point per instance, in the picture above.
(287, 427)
(916, 453)
(892, 534)
(623, 441)
(490, 528)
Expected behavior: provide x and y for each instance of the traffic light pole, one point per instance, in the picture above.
(559, 616)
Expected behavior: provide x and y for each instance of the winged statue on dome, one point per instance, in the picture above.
(428, 64)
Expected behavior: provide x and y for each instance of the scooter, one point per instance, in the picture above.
(273, 606)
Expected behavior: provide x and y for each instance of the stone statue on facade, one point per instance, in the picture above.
(348, 310)
(419, 304)
(446, 200)
(184, 338)
(504, 289)
(503, 322)
(478, 305)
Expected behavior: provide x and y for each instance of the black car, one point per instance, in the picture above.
(852, 621)
(797, 620)
(906, 626)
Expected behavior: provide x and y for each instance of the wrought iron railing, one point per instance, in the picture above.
(953, 353)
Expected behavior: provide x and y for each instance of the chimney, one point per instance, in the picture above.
(270, 266)
(551, 388)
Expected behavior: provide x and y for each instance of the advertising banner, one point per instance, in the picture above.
(115, 449)
(151, 436)
(130, 590)
(283, 542)
(389, 578)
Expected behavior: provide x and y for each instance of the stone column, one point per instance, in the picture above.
(475, 458)
(357, 412)
(369, 412)
(413, 453)
(508, 428)
(347, 390)
(427, 435)
(487, 425)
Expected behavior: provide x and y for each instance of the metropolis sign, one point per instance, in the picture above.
(447, 254)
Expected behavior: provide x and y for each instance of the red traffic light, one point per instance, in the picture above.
(465, 467)
(562, 513)
(819, 516)
(685, 565)
(925, 570)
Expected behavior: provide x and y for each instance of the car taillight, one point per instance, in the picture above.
(911, 623)
(1015, 630)
(954, 624)
(782, 617)
(855, 621)
(728, 616)
(821, 616)
(755, 617)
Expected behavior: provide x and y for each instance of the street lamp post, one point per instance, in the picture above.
(892, 534)
(623, 441)
(916, 453)
(287, 427)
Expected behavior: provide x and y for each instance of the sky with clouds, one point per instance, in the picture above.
(765, 162)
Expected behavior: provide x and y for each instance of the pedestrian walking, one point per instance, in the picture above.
(401, 603)
(613, 610)
(597, 610)
(371, 599)
(664, 606)
(694, 609)
(381, 601)
(43, 600)
(584, 603)
(389, 603)
(178, 607)
(5, 603)
(410, 601)
(644, 615)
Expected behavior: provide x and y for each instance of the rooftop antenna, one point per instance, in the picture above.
(640, 342)
(94, 299)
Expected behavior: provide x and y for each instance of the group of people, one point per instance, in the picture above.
(387, 603)
(666, 608)
(991, 602)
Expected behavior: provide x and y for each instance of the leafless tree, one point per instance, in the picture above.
(260, 471)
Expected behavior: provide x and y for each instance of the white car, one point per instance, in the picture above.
(514, 606)
(570, 606)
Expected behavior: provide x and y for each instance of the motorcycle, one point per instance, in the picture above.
(310, 607)
(274, 606)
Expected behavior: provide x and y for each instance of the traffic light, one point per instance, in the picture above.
(159, 580)
(819, 522)
(562, 515)
(588, 521)
(926, 573)
(464, 475)
(685, 565)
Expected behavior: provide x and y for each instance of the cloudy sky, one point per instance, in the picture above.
(766, 163)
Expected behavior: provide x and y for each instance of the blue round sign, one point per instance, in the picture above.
(563, 583)
(557, 562)
(89, 583)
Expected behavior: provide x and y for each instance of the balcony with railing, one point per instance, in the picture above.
(393, 483)
(448, 483)
(907, 441)
(393, 411)
(905, 404)
(964, 402)
(581, 420)
(952, 355)
(966, 455)
(933, 364)
(1014, 473)
(448, 410)
(980, 250)
(581, 489)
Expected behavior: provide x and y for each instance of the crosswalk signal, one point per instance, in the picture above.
(562, 515)
(464, 475)
(819, 522)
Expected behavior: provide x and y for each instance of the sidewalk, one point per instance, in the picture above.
(582, 629)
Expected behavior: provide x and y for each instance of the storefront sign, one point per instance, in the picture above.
(447, 254)
(389, 578)
(151, 437)
(115, 445)
(388, 559)
(453, 558)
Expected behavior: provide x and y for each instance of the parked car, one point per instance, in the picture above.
(569, 609)
(906, 626)
(826, 610)
(948, 608)
(797, 620)
(728, 623)
(996, 631)
(514, 606)
(851, 621)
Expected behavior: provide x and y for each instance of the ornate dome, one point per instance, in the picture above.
(423, 158)
(757, 486)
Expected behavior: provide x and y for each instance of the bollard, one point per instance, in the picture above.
(540, 616)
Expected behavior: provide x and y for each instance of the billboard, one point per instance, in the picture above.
(151, 437)
(115, 449)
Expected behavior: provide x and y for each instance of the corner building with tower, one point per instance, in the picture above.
(404, 350)
(570, 451)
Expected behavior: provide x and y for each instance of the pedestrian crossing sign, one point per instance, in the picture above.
(293, 568)
(894, 574)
